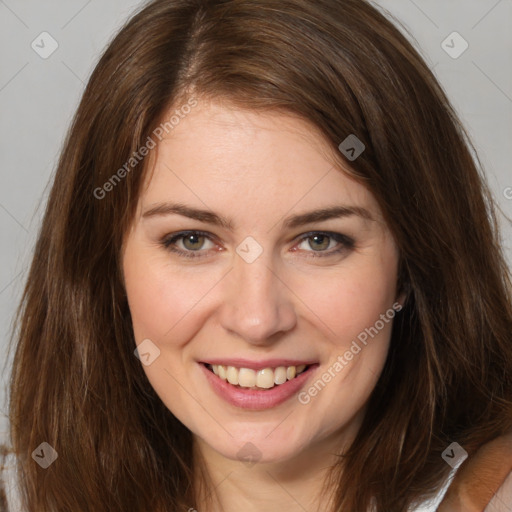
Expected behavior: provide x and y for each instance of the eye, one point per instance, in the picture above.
(193, 243)
(321, 241)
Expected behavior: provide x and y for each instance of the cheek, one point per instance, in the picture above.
(352, 300)
(159, 298)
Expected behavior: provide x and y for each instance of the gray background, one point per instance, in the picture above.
(38, 98)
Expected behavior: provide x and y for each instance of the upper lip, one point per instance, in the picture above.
(258, 365)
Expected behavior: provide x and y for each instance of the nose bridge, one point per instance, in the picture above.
(256, 304)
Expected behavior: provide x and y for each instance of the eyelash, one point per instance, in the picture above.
(346, 243)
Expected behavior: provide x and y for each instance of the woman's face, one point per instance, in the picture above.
(227, 264)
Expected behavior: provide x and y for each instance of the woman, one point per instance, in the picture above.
(274, 207)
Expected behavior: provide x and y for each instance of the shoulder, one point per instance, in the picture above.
(485, 482)
(502, 500)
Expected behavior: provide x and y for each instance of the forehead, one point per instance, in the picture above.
(228, 158)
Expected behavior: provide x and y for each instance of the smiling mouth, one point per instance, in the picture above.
(266, 378)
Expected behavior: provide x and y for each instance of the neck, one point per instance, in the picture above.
(293, 485)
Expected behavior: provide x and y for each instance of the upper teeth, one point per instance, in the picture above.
(265, 378)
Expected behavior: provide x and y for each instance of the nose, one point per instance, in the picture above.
(257, 304)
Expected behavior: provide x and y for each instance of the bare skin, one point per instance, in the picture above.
(480, 482)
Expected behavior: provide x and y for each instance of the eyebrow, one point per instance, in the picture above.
(209, 217)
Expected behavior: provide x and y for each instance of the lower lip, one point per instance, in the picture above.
(256, 399)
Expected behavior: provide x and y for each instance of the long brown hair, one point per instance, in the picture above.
(341, 65)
